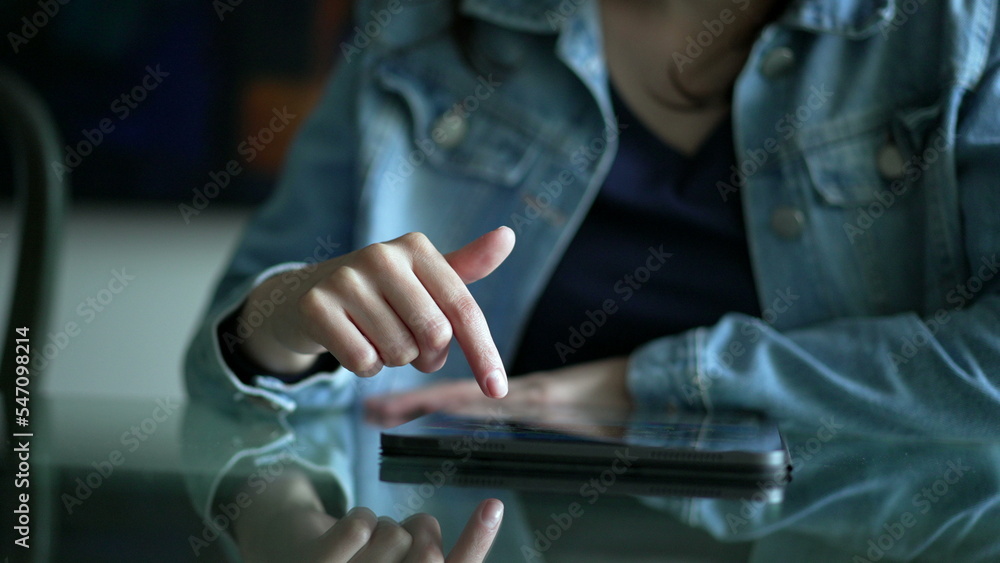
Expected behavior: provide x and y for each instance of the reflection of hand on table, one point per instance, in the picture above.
(599, 383)
(287, 522)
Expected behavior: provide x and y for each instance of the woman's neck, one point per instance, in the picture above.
(673, 62)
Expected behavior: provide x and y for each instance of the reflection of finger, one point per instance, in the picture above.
(349, 535)
(389, 542)
(426, 533)
(477, 537)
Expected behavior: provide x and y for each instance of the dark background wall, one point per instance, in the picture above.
(222, 68)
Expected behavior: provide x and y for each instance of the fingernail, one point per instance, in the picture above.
(492, 513)
(496, 384)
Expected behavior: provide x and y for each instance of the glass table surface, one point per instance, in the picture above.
(166, 480)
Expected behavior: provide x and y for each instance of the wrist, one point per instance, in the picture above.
(258, 316)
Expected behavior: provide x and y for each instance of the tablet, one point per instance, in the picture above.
(538, 448)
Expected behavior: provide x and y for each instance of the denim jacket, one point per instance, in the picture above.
(867, 135)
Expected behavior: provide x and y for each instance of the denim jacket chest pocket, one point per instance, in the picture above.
(869, 185)
(460, 123)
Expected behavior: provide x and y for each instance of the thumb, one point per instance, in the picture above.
(477, 259)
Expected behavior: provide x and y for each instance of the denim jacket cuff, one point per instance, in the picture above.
(208, 376)
(667, 373)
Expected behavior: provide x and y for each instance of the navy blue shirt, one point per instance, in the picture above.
(658, 253)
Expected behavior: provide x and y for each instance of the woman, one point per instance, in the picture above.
(841, 263)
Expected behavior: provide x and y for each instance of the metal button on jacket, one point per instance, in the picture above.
(787, 222)
(891, 164)
(449, 129)
(777, 62)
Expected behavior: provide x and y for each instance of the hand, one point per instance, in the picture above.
(360, 537)
(600, 383)
(388, 304)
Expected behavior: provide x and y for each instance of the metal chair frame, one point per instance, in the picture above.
(41, 194)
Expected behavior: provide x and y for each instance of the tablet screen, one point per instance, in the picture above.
(562, 428)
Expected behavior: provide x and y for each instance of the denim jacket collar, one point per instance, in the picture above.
(537, 16)
(575, 21)
(854, 19)
(851, 18)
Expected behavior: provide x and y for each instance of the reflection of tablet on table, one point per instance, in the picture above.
(558, 449)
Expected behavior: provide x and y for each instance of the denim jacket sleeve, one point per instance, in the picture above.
(937, 372)
(317, 193)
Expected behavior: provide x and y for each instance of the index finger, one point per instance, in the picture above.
(468, 325)
(477, 537)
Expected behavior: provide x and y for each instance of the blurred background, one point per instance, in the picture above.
(154, 100)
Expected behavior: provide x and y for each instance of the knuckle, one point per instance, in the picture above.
(344, 279)
(401, 352)
(466, 309)
(430, 363)
(379, 256)
(434, 330)
(362, 361)
(312, 305)
(422, 519)
(439, 335)
(396, 535)
(356, 531)
(426, 538)
(419, 247)
(416, 241)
